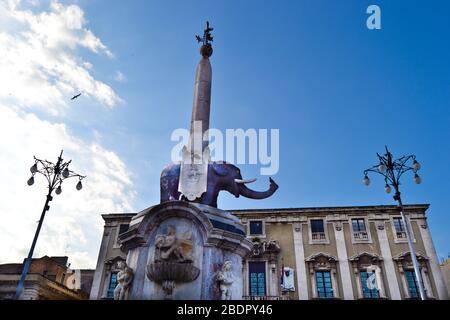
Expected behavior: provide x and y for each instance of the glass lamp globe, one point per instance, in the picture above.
(58, 190)
(416, 166)
(366, 180)
(31, 181)
(382, 168)
(34, 169)
(79, 185)
(417, 179)
(65, 173)
(387, 188)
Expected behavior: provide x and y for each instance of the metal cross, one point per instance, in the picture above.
(207, 37)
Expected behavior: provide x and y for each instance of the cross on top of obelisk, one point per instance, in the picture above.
(206, 49)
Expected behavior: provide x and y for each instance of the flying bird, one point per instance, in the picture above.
(76, 96)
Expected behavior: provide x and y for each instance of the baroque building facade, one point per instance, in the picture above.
(49, 278)
(357, 252)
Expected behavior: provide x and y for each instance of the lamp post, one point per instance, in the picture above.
(55, 175)
(392, 170)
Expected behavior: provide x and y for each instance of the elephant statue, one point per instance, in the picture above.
(221, 176)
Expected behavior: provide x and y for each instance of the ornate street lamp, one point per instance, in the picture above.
(392, 170)
(55, 175)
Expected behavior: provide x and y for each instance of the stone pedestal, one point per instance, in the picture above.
(178, 250)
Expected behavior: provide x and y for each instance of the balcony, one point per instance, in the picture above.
(318, 236)
(263, 298)
(361, 236)
(401, 234)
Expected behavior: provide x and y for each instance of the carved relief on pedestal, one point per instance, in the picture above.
(225, 278)
(124, 279)
(172, 260)
(171, 247)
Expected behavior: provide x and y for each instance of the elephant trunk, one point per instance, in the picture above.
(249, 193)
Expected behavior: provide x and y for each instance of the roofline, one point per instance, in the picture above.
(423, 206)
(321, 209)
(40, 258)
(114, 216)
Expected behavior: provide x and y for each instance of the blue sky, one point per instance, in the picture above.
(337, 91)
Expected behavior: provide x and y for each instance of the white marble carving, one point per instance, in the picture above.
(124, 279)
(226, 278)
(171, 247)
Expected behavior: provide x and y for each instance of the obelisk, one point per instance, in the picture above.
(202, 95)
(194, 166)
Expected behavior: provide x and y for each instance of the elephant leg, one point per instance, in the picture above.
(169, 189)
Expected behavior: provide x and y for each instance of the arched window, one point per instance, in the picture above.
(322, 270)
(408, 277)
(368, 271)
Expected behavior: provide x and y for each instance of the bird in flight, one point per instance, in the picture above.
(76, 96)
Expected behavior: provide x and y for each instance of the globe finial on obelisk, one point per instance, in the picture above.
(206, 49)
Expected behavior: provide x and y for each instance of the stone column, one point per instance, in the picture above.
(426, 282)
(335, 284)
(358, 283)
(430, 251)
(302, 282)
(380, 283)
(245, 291)
(312, 276)
(403, 281)
(100, 268)
(344, 268)
(391, 275)
(273, 279)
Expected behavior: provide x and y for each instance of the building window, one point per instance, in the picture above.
(323, 284)
(256, 228)
(367, 268)
(123, 227)
(112, 286)
(257, 278)
(369, 285)
(359, 229)
(412, 284)
(318, 230)
(399, 228)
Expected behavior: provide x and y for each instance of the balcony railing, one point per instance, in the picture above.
(401, 234)
(361, 235)
(263, 298)
(319, 236)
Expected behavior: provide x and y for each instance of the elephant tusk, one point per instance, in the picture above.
(244, 181)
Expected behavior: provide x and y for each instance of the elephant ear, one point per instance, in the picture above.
(220, 169)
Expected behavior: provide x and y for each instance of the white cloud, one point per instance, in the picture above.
(41, 68)
(120, 77)
(73, 225)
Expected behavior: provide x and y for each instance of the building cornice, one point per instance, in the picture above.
(331, 210)
(117, 216)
